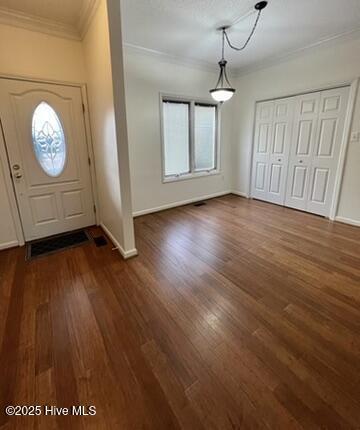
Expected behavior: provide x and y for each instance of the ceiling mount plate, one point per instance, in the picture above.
(223, 27)
(261, 5)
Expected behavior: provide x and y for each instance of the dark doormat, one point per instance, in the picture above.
(56, 243)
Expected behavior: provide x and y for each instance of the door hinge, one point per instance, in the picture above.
(83, 108)
(89, 161)
(94, 209)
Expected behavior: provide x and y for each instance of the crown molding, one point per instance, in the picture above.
(87, 14)
(19, 19)
(51, 27)
(173, 59)
(33, 23)
(242, 71)
(278, 59)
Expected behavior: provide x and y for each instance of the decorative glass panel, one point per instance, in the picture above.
(48, 140)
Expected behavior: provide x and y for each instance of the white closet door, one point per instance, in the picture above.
(330, 129)
(296, 149)
(262, 141)
(302, 147)
(279, 150)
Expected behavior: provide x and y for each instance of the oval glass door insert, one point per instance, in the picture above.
(48, 140)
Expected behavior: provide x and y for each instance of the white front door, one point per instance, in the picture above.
(44, 131)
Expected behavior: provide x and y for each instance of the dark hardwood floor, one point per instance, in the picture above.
(235, 315)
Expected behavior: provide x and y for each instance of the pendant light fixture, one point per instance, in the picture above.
(223, 90)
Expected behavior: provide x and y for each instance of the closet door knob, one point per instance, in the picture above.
(300, 161)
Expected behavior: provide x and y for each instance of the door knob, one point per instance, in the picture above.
(18, 175)
(279, 160)
(300, 161)
(16, 167)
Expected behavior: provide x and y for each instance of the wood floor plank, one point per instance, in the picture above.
(237, 314)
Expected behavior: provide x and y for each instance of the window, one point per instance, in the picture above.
(205, 137)
(48, 140)
(189, 138)
(176, 137)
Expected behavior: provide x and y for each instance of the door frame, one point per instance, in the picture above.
(353, 89)
(4, 158)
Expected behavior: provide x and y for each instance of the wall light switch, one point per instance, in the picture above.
(355, 136)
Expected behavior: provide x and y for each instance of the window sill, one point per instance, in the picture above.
(186, 177)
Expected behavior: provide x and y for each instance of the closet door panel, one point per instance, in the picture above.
(302, 147)
(279, 149)
(299, 180)
(320, 182)
(262, 140)
(260, 176)
(325, 157)
(304, 135)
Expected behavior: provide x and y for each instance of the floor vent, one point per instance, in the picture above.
(56, 243)
(200, 204)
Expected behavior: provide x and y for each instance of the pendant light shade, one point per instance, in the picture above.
(223, 90)
(222, 94)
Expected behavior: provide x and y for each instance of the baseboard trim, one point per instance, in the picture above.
(240, 194)
(125, 254)
(8, 245)
(345, 220)
(179, 203)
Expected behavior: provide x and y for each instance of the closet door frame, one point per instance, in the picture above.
(353, 89)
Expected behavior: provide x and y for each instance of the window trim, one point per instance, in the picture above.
(193, 173)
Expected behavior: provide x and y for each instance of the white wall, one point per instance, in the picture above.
(109, 142)
(31, 54)
(323, 66)
(145, 77)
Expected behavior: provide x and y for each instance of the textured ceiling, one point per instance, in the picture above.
(186, 28)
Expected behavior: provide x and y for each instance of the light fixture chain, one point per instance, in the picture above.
(223, 45)
(248, 39)
(223, 93)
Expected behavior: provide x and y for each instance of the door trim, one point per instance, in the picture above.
(4, 159)
(9, 185)
(353, 86)
(90, 147)
(343, 148)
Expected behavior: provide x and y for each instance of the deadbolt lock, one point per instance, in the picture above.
(16, 167)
